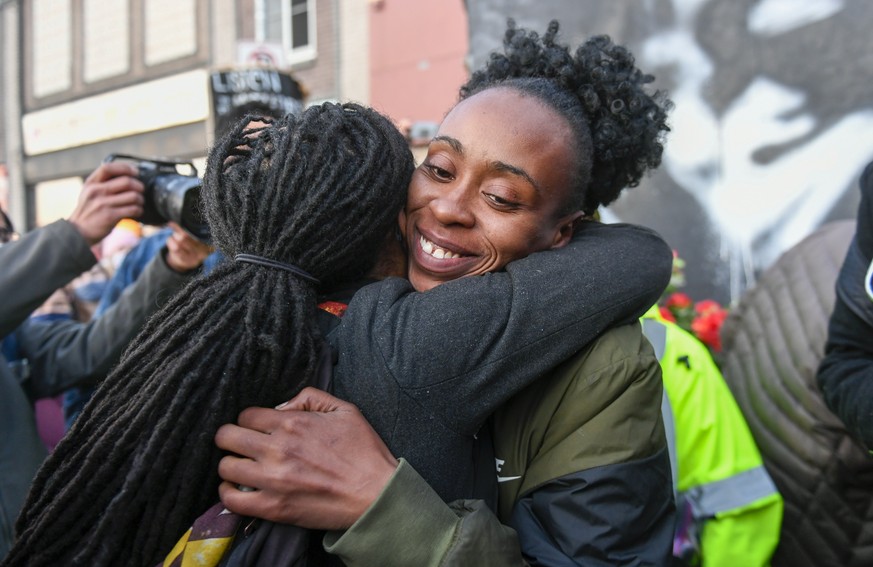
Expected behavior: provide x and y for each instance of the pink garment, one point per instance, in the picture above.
(50, 420)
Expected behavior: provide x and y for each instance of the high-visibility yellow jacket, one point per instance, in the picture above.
(719, 476)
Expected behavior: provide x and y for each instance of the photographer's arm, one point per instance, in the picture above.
(47, 258)
(25, 282)
(63, 354)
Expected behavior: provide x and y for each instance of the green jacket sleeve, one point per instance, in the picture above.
(409, 525)
(584, 473)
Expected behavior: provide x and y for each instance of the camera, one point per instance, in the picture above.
(172, 193)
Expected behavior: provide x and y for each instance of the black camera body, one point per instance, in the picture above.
(170, 194)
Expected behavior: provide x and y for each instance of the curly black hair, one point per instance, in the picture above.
(602, 95)
(319, 190)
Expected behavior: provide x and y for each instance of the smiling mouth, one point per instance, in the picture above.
(432, 249)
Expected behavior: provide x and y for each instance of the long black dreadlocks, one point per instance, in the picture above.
(320, 190)
(601, 94)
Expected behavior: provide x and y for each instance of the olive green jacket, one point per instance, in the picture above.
(583, 475)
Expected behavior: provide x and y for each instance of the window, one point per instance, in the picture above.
(52, 46)
(289, 22)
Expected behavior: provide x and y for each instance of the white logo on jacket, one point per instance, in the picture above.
(500, 463)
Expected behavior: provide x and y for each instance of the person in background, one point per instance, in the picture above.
(87, 289)
(729, 511)
(31, 269)
(7, 231)
(76, 301)
(846, 372)
(773, 342)
(129, 270)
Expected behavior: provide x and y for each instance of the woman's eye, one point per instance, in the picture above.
(438, 172)
(501, 201)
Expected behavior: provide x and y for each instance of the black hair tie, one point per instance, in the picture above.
(261, 261)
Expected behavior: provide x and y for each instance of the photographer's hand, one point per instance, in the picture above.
(184, 252)
(111, 193)
(315, 463)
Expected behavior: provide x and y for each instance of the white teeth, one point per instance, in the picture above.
(435, 251)
(426, 245)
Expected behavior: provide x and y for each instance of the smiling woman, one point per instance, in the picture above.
(485, 195)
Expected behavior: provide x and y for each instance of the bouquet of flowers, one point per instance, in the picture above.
(702, 318)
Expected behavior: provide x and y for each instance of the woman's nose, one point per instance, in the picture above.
(453, 206)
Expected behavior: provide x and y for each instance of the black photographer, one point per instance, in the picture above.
(30, 270)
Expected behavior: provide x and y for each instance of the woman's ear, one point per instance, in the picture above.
(564, 229)
(401, 222)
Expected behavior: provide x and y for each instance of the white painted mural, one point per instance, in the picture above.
(771, 122)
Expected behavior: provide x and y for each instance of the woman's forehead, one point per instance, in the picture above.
(506, 110)
(503, 125)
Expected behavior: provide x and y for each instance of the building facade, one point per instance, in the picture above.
(83, 79)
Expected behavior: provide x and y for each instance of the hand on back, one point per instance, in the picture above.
(314, 462)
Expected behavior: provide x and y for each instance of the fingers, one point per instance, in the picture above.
(185, 252)
(265, 420)
(239, 471)
(236, 500)
(254, 503)
(111, 193)
(242, 441)
(117, 185)
(119, 193)
(313, 399)
(111, 169)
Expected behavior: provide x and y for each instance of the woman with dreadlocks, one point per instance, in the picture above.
(398, 347)
(302, 201)
(584, 476)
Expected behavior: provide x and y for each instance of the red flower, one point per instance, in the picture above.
(707, 325)
(667, 314)
(678, 300)
(706, 306)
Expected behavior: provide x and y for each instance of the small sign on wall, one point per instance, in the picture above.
(252, 90)
(259, 53)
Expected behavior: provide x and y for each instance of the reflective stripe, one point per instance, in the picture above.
(670, 432)
(656, 332)
(736, 491)
(867, 282)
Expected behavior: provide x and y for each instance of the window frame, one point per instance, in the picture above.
(301, 54)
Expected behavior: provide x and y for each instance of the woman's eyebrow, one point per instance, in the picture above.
(505, 167)
(501, 166)
(453, 142)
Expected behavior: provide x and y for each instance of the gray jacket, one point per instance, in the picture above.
(60, 353)
(428, 392)
(773, 342)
